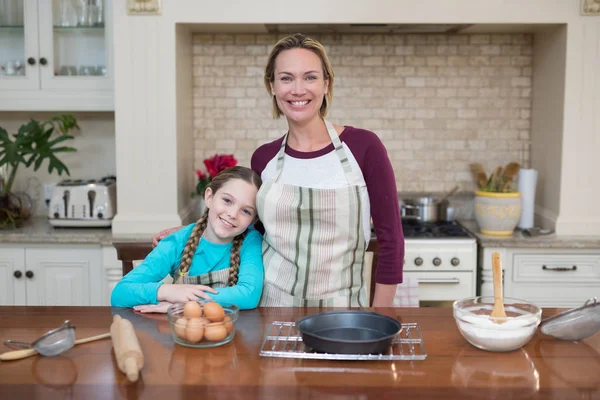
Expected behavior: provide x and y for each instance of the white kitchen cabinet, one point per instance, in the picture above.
(53, 275)
(51, 60)
(545, 277)
(112, 272)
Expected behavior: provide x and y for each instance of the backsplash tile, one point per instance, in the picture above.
(438, 102)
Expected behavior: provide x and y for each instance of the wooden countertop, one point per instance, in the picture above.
(543, 368)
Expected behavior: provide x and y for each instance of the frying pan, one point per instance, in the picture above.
(348, 332)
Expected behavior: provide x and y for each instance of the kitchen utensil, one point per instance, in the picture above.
(52, 343)
(128, 353)
(348, 332)
(443, 205)
(282, 340)
(479, 174)
(20, 354)
(424, 209)
(498, 314)
(574, 324)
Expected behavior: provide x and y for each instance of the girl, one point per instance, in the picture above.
(216, 255)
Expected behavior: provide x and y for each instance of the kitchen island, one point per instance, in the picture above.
(543, 368)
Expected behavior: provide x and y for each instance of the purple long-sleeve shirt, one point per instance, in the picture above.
(371, 156)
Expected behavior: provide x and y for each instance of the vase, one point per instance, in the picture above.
(497, 214)
(11, 215)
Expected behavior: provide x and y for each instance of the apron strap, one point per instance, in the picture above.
(351, 175)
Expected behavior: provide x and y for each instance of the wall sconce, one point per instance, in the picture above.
(143, 7)
(590, 7)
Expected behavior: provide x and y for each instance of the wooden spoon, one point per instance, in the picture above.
(20, 354)
(498, 311)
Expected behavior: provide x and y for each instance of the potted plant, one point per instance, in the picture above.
(214, 165)
(497, 204)
(34, 142)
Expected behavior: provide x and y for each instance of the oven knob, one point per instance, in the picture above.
(56, 215)
(418, 261)
(437, 261)
(455, 261)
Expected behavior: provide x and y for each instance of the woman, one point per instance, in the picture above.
(322, 184)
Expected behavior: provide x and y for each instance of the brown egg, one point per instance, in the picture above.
(215, 332)
(195, 329)
(228, 324)
(214, 312)
(179, 327)
(192, 309)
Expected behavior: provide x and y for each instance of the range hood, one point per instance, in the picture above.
(366, 28)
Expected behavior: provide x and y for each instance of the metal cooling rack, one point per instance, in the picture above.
(283, 340)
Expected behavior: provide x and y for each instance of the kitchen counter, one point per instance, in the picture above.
(544, 368)
(38, 230)
(518, 240)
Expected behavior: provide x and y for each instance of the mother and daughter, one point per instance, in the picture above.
(323, 184)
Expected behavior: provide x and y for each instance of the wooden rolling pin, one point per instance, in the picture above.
(20, 354)
(128, 353)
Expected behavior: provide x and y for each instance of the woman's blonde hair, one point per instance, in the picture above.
(243, 173)
(299, 41)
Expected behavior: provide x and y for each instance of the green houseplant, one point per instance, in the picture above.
(497, 204)
(34, 142)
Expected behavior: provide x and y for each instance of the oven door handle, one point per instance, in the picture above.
(439, 280)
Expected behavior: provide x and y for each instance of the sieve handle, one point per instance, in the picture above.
(20, 354)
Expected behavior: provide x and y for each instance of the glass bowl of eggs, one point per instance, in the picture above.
(202, 323)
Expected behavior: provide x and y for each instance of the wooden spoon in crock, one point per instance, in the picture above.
(498, 311)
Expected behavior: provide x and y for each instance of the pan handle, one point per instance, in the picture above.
(439, 280)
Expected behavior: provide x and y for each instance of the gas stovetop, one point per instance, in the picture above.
(433, 230)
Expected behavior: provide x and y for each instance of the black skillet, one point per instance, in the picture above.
(348, 332)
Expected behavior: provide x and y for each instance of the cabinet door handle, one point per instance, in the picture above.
(17, 274)
(43, 61)
(559, 269)
(439, 280)
(31, 61)
(29, 274)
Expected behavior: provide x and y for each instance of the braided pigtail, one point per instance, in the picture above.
(191, 246)
(234, 264)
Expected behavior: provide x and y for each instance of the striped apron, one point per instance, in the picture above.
(214, 279)
(314, 245)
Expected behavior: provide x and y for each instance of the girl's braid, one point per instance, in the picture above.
(191, 245)
(234, 264)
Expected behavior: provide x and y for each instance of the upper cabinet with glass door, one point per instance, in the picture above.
(56, 55)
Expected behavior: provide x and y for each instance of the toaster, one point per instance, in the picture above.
(83, 203)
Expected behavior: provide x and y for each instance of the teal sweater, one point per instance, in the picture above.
(140, 285)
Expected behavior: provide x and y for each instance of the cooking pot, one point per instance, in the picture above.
(426, 208)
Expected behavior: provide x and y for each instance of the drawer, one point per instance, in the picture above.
(438, 286)
(556, 268)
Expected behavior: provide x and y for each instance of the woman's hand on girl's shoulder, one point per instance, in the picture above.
(177, 293)
(163, 234)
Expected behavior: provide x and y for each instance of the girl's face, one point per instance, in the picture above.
(230, 210)
(299, 84)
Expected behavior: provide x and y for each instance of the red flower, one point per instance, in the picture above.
(214, 165)
(201, 175)
(218, 163)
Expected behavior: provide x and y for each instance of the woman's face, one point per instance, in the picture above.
(230, 210)
(299, 84)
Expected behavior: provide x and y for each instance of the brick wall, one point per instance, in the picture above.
(438, 102)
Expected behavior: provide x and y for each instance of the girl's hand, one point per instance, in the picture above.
(160, 308)
(163, 234)
(175, 293)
